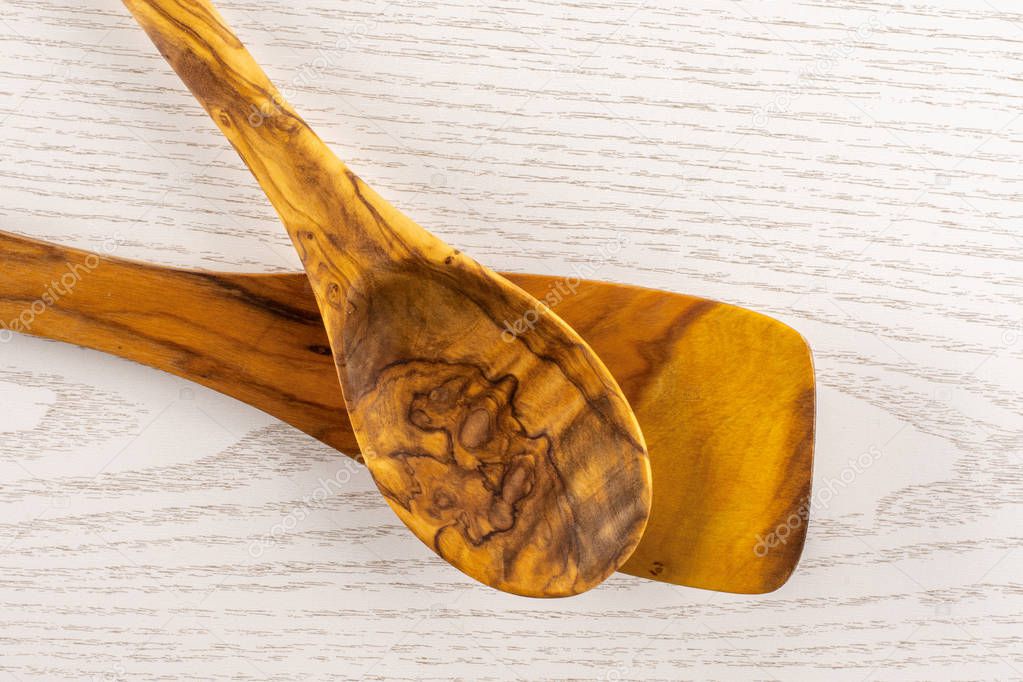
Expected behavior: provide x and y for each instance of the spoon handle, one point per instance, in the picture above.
(336, 221)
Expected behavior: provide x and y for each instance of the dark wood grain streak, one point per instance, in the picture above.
(661, 345)
(876, 211)
(392, 297)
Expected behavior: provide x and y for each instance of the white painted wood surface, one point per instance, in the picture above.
(850, 167)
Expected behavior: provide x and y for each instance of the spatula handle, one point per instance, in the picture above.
(232, 333)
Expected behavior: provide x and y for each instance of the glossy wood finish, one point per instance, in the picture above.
(874, 208)
(514, 456)
(725, 395)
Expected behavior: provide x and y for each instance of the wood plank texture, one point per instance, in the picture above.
(849, 167)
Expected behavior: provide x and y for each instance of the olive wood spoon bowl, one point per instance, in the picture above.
(725, 396)
(515, 457)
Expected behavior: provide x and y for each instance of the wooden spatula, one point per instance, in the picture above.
(515, 458)
(724, 395)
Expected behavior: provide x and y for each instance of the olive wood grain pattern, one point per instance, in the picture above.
(724, 395)
(514, 456)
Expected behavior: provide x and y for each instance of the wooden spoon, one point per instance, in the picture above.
(514, 456)
(725, 396)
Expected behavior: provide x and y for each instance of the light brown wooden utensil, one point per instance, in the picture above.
(725, 396)
(514, 456)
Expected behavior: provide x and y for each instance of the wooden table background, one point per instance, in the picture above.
(850, 167)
